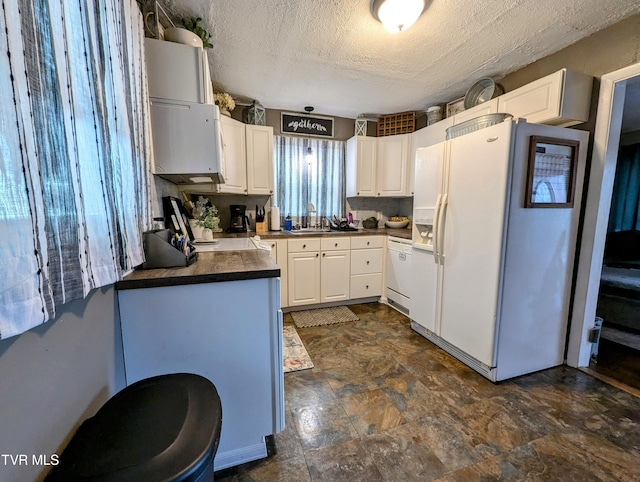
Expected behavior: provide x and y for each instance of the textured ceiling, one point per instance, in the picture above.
(333, 55)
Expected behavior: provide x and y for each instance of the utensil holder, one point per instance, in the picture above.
(159, 253)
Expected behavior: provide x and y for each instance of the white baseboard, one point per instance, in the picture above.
(231, 458)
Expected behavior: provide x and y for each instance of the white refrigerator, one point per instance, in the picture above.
(491, 277)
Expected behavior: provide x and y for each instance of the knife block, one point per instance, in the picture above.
(261, 227)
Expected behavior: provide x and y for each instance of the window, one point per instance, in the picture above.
(309, 171)
(74, 153)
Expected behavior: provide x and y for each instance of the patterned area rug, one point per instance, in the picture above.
(295, 355)
(323, 316)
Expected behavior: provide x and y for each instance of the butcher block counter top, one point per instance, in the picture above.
(209, 268)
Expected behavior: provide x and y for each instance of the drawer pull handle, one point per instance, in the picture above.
(304, 246)
(367, 262)
(367, 243)
(367, 287)
(317, 254)
(324, 254)
(336, 245)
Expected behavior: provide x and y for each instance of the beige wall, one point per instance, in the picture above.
(56, 375)
(343, 128)
(606, 51)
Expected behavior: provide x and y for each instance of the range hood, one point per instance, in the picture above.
(187, 142)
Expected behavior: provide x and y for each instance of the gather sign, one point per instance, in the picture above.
(306, 125)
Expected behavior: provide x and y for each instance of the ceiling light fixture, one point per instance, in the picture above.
(397, 15)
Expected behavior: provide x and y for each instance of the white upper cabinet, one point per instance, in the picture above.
(247, 160)
(361, 166)
(234, 157)
(425, 137)
(393, 165)
(488, 107)
(164, 59)
(561, 99)
(378, 166)
(259, 144)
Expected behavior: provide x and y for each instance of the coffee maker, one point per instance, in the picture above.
(239, 221)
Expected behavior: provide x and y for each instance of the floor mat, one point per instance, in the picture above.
(323, 316)
(295, 355)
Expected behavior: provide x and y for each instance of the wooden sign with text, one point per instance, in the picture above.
(306, 125)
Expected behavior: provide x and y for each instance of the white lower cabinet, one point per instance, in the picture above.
(367, 253)
(303, 271)
(318, 270)
(279, 254)
(330, 269)
(335, 268)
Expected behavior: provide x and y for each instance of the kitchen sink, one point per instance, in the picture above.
(313, 231)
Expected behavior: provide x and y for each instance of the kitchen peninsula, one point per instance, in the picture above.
(219, 318)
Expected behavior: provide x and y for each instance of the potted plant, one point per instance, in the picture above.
(225, 102)
(207, 218)
(192, 25)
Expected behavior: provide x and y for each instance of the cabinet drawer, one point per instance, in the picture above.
(366, 261)
(363, 242)
(334, 244)
(302, 245)
(365, 285)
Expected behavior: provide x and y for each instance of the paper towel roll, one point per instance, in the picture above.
(275, 218)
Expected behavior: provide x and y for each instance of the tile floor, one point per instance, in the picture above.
(384, 404)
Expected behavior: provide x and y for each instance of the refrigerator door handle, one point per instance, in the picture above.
(435, 227)
(440, 232)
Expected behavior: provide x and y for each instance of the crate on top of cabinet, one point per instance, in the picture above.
(392, 124)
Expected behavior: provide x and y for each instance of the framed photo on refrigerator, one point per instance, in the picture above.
(551, 173)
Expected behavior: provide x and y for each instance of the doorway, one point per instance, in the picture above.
(615, 89)
(618, 353)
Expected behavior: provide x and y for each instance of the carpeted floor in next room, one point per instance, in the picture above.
(384, 404)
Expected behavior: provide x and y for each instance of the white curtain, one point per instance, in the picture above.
(74, 152)
(309, 171)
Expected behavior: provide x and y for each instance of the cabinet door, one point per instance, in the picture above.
(163, 60)
(538, 101)
(259, 159)
(488, 107)
(366, 166)
(234, 155)
(474, 218)
(334, 276)
(281, 258)
(392, 163)
(303, 270)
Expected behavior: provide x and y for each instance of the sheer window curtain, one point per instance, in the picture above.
(304, 177)
(74, 153)
(625, 201)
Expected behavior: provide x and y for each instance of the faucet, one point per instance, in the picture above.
(311, 209)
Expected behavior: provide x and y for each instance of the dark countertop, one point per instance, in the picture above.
(217, 266)
(210, 267)
(399, 233)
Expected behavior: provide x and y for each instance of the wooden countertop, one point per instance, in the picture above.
(210, 267)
